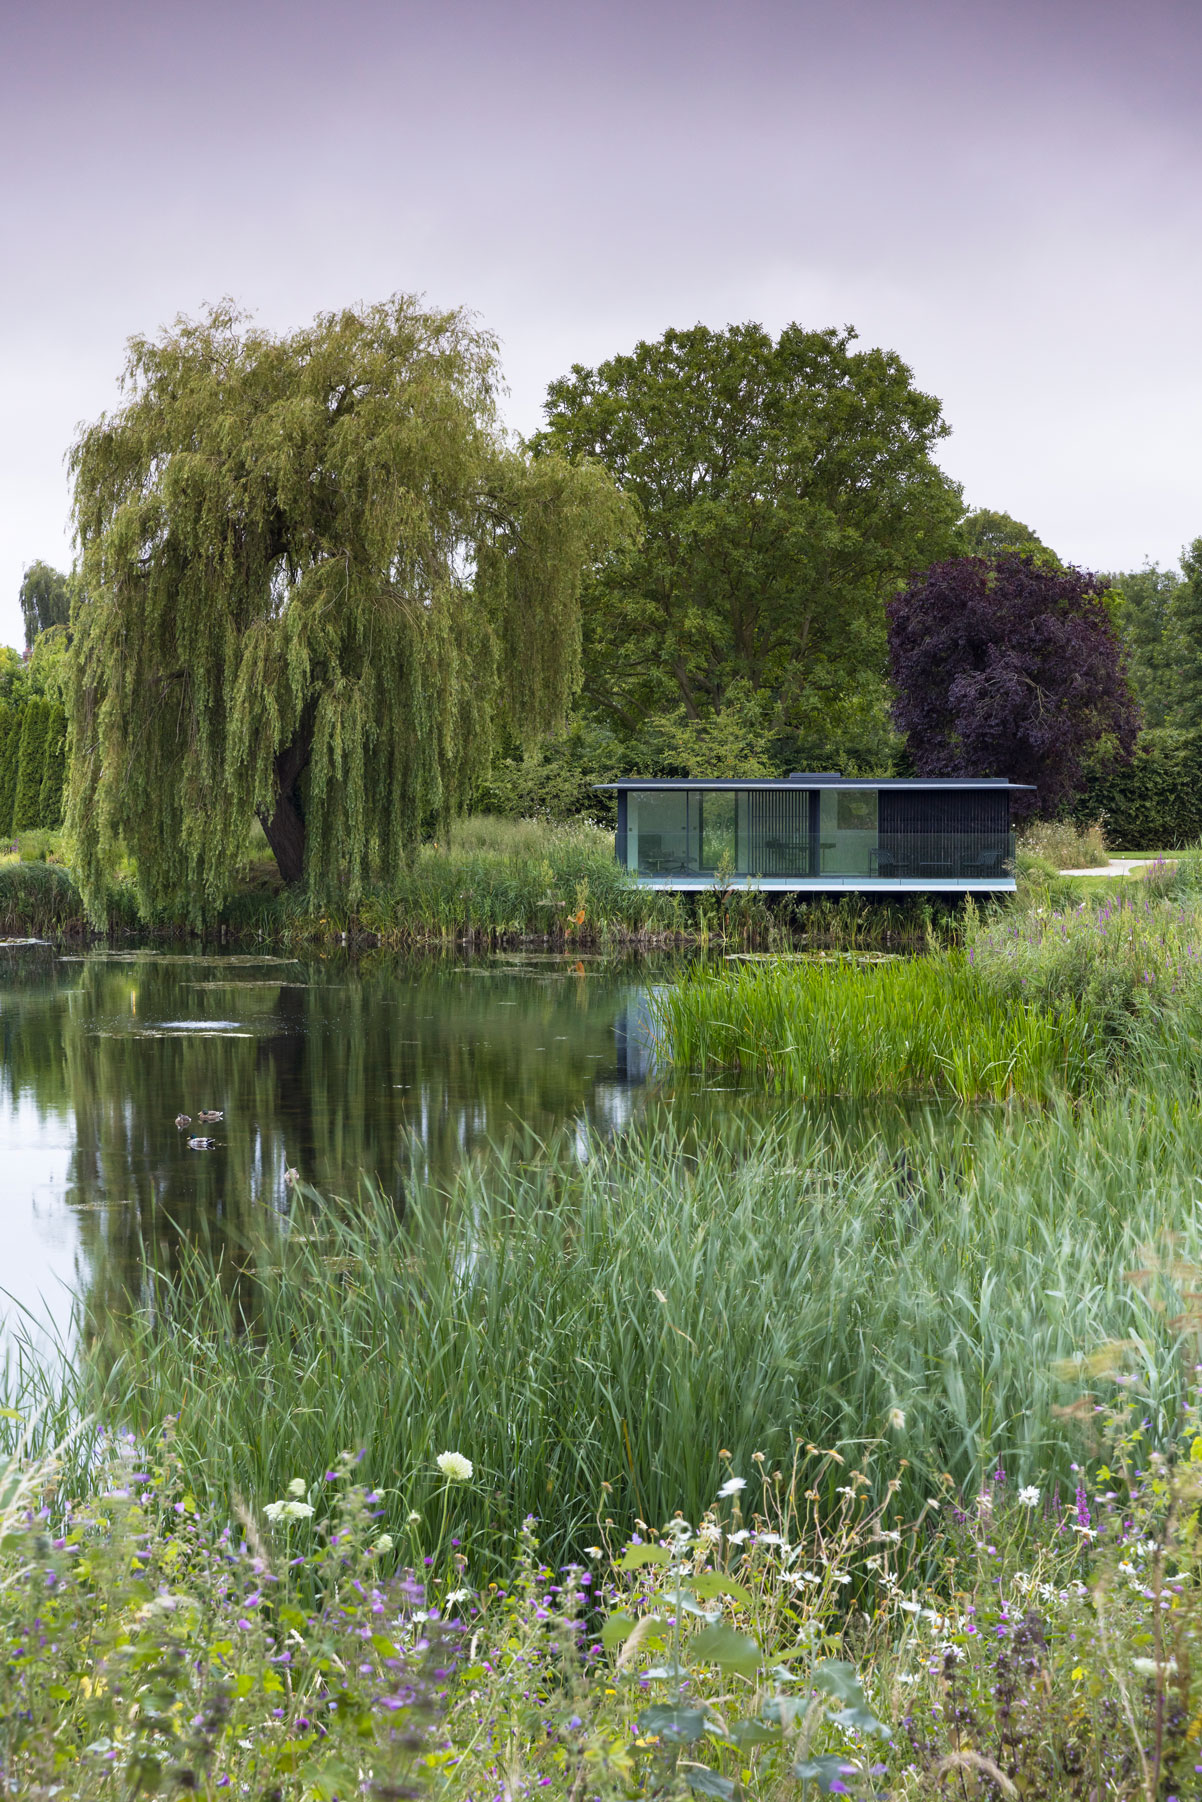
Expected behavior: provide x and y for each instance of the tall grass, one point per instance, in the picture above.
(39, 900)
(1064, 844)
(570, 1325)
(930, 1024)
(1131, 961)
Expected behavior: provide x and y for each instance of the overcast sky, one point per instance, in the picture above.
(1007, 194)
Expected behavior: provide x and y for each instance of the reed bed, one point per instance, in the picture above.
(929, 1025)
(571, 1325)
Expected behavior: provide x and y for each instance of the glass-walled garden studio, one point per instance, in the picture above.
(783, 835)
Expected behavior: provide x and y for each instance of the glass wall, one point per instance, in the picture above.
(657, 833)
(719, 834)
(847, 831)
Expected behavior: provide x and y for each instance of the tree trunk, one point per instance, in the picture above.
(285, 827)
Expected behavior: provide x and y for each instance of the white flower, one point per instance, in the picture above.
(1148, 1667)
(458, 1595)
(454, 1466)
(298, 1486)
(1029, 1497)
(709, 1529)
(413, 1517)
(897, 1419)
(594, 1551)
(911, 1607)
(288, 1511)
(383, 1543)
(732, 1486)
(738, 1538)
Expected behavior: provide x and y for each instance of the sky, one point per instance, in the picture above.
(1009, 195)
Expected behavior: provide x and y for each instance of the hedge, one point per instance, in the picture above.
(1155, 801)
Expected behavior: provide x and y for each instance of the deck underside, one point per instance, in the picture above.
(837, 885)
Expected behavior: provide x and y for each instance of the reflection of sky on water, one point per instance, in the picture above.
(39, 1231)
(334, 1068)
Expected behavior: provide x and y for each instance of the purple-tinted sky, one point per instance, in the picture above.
(1009, 195)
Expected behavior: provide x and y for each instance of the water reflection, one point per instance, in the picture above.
(333, 1067)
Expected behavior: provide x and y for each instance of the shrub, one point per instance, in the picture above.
(1065, 844)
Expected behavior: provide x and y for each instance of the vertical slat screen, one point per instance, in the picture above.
(778, 833)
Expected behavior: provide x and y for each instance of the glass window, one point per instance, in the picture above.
(848, 831)
(718, 848)
(657, 832)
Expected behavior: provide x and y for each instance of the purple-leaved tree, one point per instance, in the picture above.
(1008, 666)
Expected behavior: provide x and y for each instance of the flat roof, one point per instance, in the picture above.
(816, 781)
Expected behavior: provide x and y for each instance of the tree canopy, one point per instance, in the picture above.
(786, 487)
(45, 599)
(1008, 667)
(1144, 603)
(1187, 637)
(319, 579)
(987, 533)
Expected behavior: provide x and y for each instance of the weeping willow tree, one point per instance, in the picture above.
(319, 582)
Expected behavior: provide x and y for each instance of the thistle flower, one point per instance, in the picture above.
(455, 1467)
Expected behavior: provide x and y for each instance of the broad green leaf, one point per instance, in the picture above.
(710, 1583)
(636, 1556)
(824, 1771)
(837, 1678)
(754, 1733)
(721, 1645)
(863, 1720)
(786, 1709)
(683, 1724)
(705, 1614)
(617, 1630)
(704, 1782)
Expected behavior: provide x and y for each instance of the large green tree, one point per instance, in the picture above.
(786, 487)
(31, 764)
(45, 599)
(319, 580)
(987, 533)
(1186, 637)
(1145, 606)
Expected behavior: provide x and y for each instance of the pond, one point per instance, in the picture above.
(334, 1067)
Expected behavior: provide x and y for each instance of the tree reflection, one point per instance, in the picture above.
(335, 1068)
